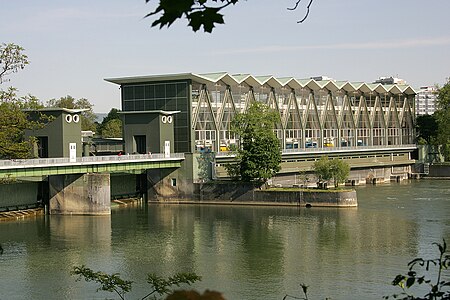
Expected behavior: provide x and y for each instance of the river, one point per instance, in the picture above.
(244, 252)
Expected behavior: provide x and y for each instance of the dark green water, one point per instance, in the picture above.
(244, 252)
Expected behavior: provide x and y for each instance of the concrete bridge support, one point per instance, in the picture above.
(162, 183)
(80, 194)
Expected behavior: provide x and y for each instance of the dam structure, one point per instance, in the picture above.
(370, 125)
(173, 122)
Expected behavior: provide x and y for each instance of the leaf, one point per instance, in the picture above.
(410, 281)
(206, 18)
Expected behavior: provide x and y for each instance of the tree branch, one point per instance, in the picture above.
(307, 9)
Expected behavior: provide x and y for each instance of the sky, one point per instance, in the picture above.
(73, 46)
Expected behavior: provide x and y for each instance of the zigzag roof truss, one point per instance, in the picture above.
(249, 99)
(293, 113)
(228, 108)
(347, 114)
(407, 113)
(311, 112)
(392, 114)
(377, 114)
(362, 115)
(205, 114)
(272, 101)
(329, 112)
(284, 100)
(197, 108)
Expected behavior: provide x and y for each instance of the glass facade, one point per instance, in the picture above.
(317, 117)
(167, 96)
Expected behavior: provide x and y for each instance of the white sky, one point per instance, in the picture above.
(74, 45)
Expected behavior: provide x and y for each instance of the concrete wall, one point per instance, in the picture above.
(18, 194)
(239, 193)
(172, 183)
(437, 170)
(81, 194)
(151, 126)
(60, 133)
(357, 176)
(124, 185)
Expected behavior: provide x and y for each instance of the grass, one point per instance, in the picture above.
(309, 190)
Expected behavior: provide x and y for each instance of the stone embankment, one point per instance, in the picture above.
(249, 194)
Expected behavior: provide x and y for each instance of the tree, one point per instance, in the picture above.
(339, 171)
(112, 129)
(321, 168)
(12, 59)
(111, 126)
(334, 169)
(14, 122)
(442, 115)
(199, 13)
(427, 128)
(87, 116)
(259, 155)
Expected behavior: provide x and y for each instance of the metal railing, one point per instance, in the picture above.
(60, 161)
(349, 148)
(332, 149)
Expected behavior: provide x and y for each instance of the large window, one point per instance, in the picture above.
(168, 96)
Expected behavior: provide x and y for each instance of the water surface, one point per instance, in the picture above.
(244, 252)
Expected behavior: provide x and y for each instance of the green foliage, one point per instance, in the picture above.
(334, 169)
(87, 116)
(112, 129)
(108, 282)
(14, 122)
(443, 97)
(112, 115)
(115, 284)
(303, 177)
(321, 169)
(427, 128)
(259, 156)
(163, 286)
(12, 59)
(199, 13)
(442, 115)
(111, 126)
(438, 289)
(204, 165)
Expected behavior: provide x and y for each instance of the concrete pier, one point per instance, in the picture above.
(80, 194)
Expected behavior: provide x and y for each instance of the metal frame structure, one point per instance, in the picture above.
(313, 113)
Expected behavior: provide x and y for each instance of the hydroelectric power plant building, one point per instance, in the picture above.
(171, 121)
(371, 125)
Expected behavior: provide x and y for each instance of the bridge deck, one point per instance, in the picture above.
(91, 164)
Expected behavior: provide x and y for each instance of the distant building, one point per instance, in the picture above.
(390, 80)
(320, 78)
(426, 100)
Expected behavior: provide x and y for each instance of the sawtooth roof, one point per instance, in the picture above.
(269, 80)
